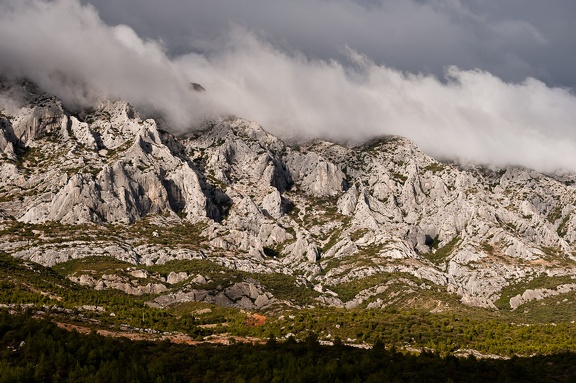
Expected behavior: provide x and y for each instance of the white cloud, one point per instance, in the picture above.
(66, 48)
(469, 114)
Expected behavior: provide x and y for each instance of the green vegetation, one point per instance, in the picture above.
(555, 214)
(457, 327)
(53, 232)
(190, 266)
(141, 232)
(184, 233)
(563, 227)
(334, 239)
(553, 252)
(488, 248)
(98, 265)
(358, 234)
(38, 351)
(540, 282)
(371, 251)
(28, 157)
(27, 283)
(440, 255)
(435, 167)
(402, 291)
(324, 211)
(445, 333)
(379, 144)
(347, 291)
(283, 286)
(554, 309)
(398, 177)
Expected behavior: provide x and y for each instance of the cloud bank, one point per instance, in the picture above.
(470, 115)
(67, 49)
(511, 39)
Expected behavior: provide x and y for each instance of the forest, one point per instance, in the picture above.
(405, 345)
(36, 350)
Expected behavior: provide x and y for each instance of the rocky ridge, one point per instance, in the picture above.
(368, 226)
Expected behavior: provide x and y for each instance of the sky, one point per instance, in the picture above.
(488, 81)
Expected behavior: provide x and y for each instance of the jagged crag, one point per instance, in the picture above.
(315, 224)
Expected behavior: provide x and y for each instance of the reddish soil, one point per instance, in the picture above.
(223, 339)
(255, 320)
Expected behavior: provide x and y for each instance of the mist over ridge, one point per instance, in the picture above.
(472, 115)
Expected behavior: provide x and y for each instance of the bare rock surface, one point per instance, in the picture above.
(325, 214)
(242, 295)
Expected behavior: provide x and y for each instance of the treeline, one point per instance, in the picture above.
(446, 333)
(35, 350)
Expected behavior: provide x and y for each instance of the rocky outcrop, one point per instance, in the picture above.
(324, 213)
(175, 277)
(7, 139)
(115, 169)
(315, 175)
(243, 295)
(116, 282)
(539, 294)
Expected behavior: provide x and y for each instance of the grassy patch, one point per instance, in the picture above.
(358, 234)
(400, 178)
(441, 254)
(563, 227)
(33, 284)
(554, 309)
(555, 214)
(335, 237)
(184, 233)
(282, 286)
(487, 248)
(97, 265)
(370, 251)
(434, 167)
(348, 290)
(285, 287)
(540, 282)
(462, 327)
(195, 266)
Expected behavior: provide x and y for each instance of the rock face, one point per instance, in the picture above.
(115, 169)
(539, 294)
(243, 295)
(114, 282)
(330, 215)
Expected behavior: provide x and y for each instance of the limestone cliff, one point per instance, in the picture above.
(327, 214)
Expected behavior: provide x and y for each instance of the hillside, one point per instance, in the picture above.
(230, 216)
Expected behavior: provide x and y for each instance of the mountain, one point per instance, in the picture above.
(232, 215)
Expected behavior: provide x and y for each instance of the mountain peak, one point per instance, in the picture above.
(320, 212)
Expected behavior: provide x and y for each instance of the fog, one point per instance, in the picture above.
(461, 114)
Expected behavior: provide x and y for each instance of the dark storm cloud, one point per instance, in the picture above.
(512, 39)
(311, 68)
